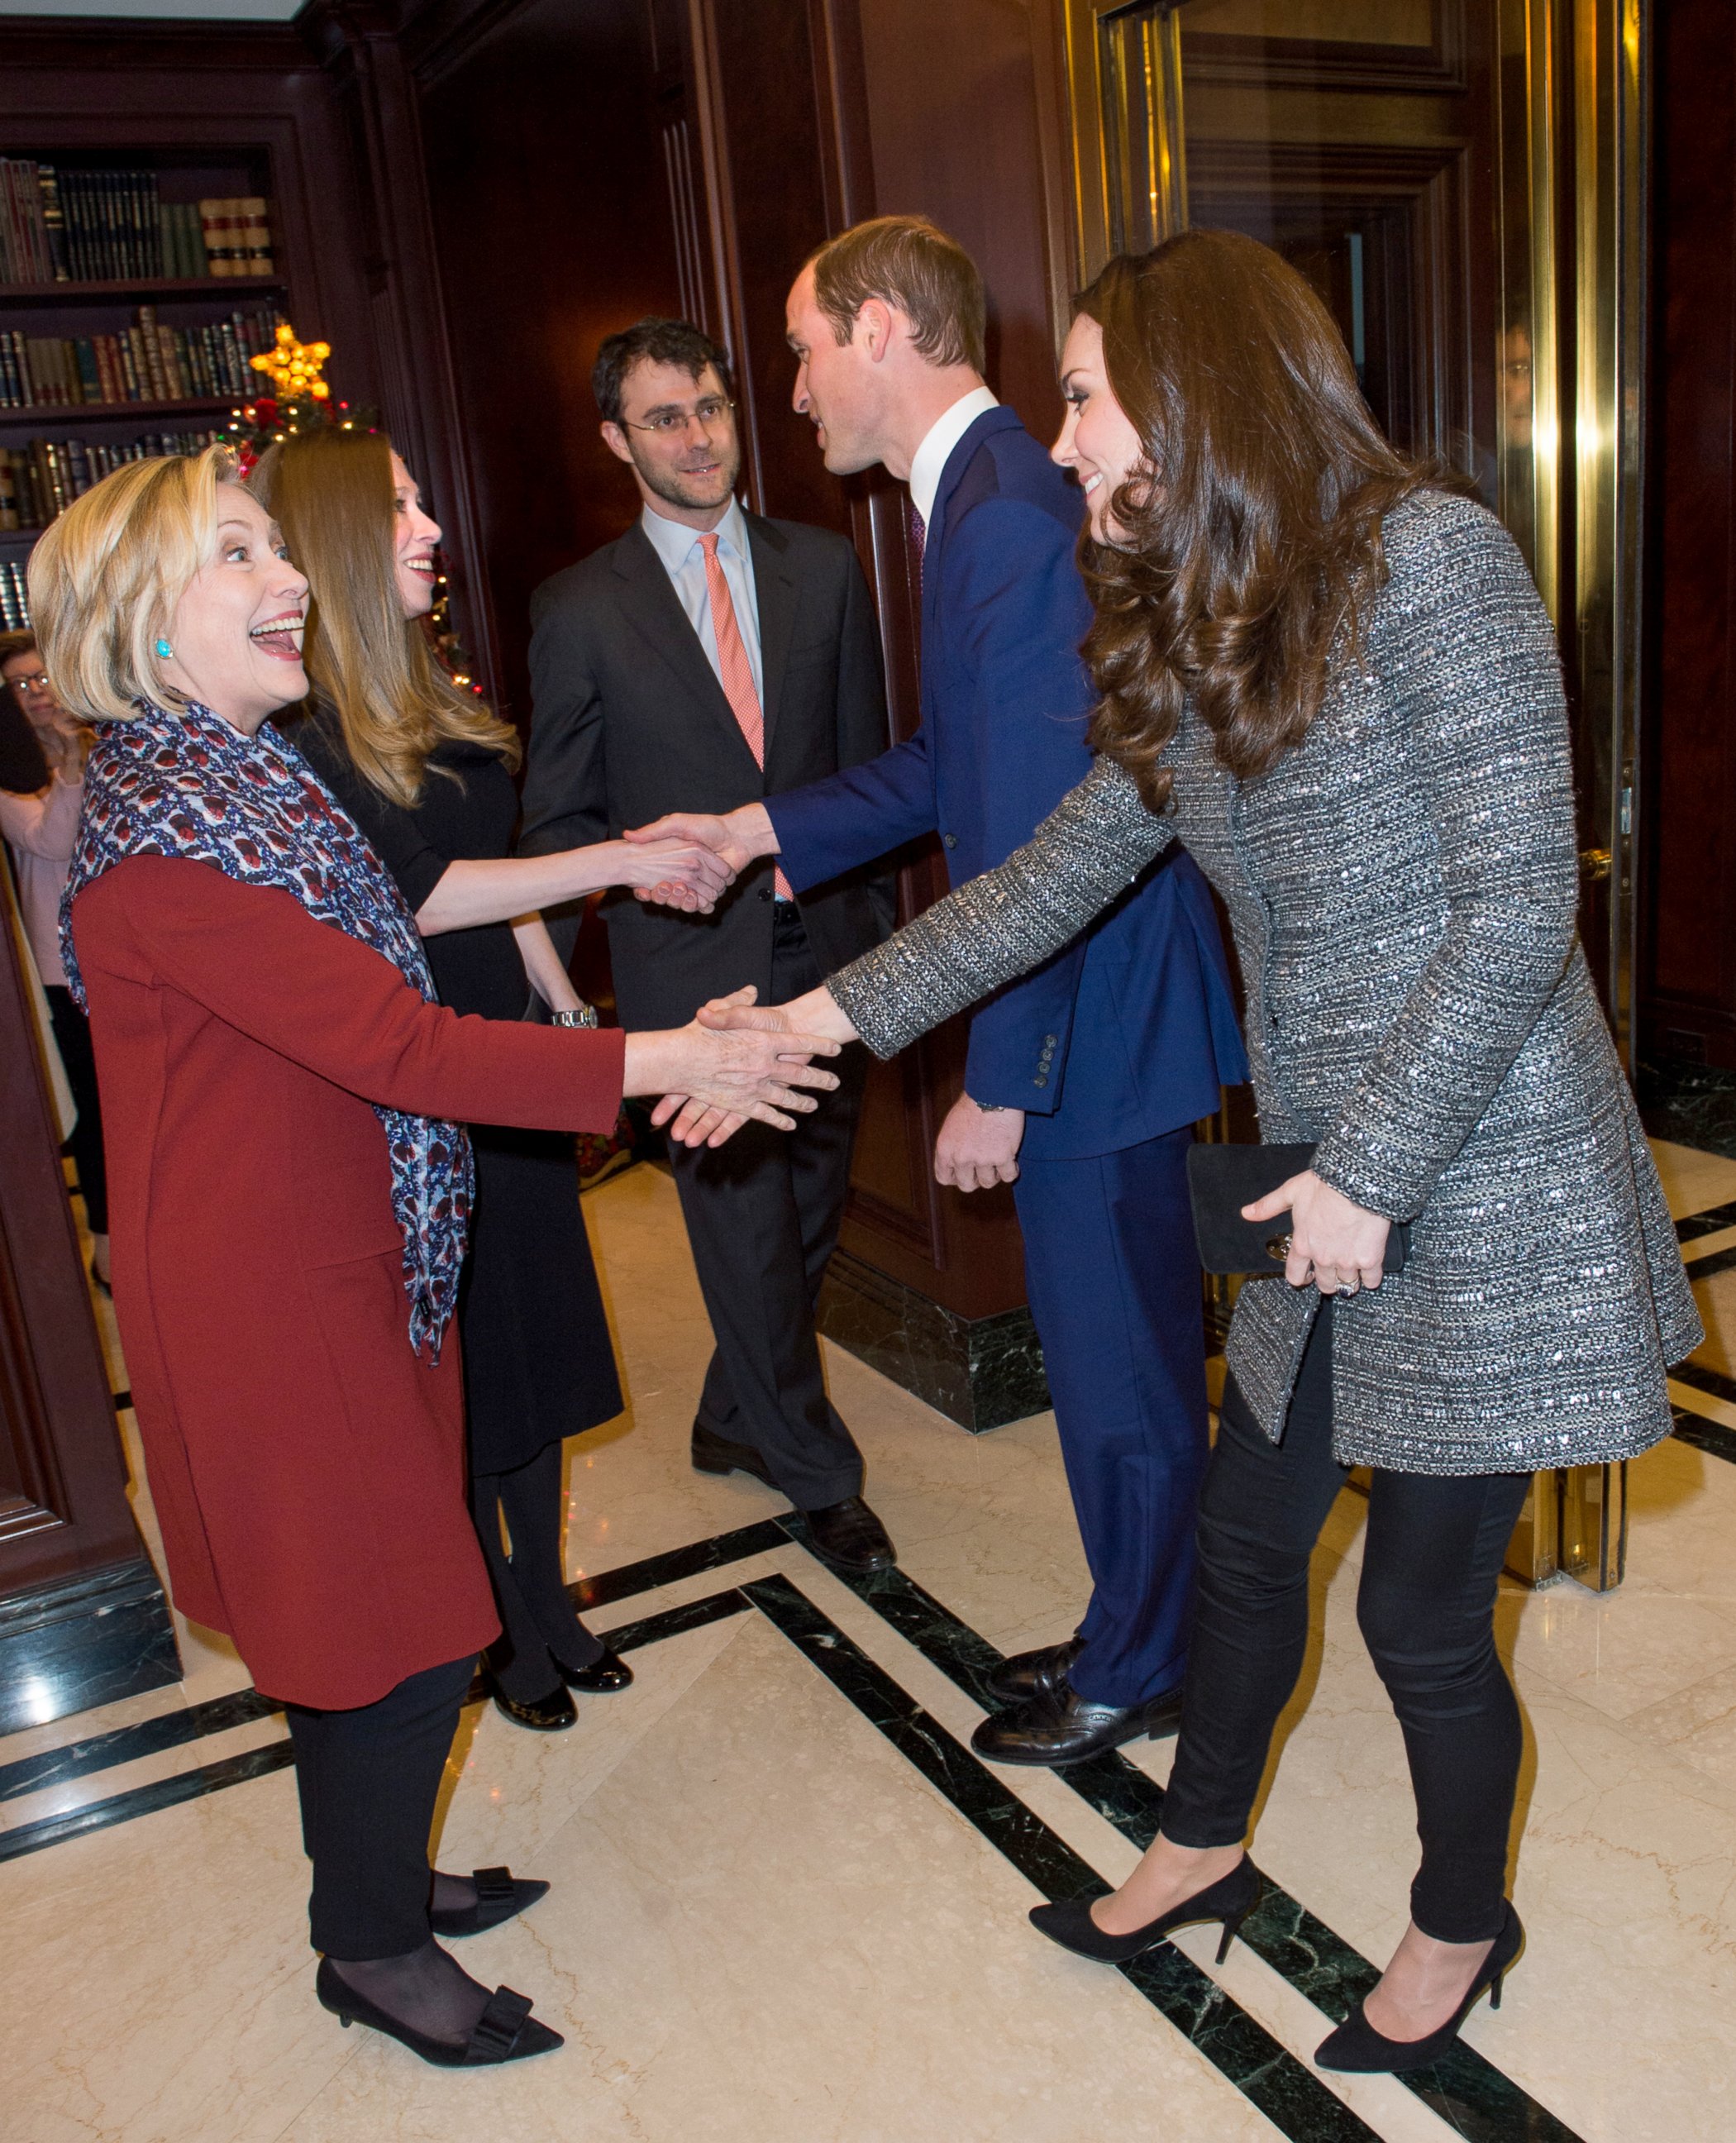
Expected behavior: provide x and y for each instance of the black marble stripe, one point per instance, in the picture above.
(124, 1744)
(1290, 2095)
(1713, 1382)
(1720, 1261)
(1707, 1223)
(653, 1571)
(1711, 1436)
(675, 1621)
(145, 1801)
(1470, 2094)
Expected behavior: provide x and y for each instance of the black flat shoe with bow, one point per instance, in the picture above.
(1357, 2048)
(1231, 1898)
(505, 2031)
(500, 1895)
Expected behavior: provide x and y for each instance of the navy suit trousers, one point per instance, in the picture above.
(1114, 1283)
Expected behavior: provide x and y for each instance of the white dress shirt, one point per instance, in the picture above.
(684, 560)
(928, 464)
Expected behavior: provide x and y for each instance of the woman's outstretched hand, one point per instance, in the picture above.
(718, 1074)
(697, 1122)
(674, 873)
(1335, 1245)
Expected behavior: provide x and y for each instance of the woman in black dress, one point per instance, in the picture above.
(426, 771)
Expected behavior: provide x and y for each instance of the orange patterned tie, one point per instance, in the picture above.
(738, 672)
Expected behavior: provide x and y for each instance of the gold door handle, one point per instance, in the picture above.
(1594, 863)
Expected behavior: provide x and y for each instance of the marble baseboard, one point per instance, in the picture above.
(1692, 1105)
(980, 1372)
(90, 1640)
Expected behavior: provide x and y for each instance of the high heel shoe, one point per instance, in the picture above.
(505, 2031)
(500, 1895)
(1357, 2048)
(1231, 1898)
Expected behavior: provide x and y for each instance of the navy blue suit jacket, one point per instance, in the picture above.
(1130, 1031)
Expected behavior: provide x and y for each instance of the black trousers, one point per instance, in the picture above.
(763, 1215)
(73, 1032)
(368, 1780)
(539, 1623)
(1431, 1558)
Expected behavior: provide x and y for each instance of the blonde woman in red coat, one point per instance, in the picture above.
(289, 1192)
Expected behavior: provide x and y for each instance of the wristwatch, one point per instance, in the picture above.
(584, 1015)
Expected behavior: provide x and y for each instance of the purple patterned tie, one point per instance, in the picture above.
(918, 536)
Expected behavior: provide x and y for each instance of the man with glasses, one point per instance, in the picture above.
(708, 658)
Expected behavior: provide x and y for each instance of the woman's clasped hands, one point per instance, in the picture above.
(720, 1070)
(1335, 1245)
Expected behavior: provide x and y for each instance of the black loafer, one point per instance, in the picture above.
(606, 1673)
(713, 1453)
(1058, 1726)
(849, 1535)
(1025, 1673)
(543, 1714)
(500, 1895)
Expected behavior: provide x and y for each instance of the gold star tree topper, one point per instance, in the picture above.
(293, 368)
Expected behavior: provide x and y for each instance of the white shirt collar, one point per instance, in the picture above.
(928, 464)
(674, 540)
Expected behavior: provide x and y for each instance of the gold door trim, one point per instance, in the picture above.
(1130, 165)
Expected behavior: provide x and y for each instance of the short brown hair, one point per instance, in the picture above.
(14, 644)
(910, 262)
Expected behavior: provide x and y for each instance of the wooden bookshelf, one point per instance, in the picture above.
(144, 292)
(51, 416)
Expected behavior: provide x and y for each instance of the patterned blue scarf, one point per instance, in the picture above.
(190, 785)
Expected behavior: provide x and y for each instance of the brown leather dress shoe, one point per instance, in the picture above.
(849, 1535)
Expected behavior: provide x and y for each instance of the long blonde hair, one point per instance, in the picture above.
(331, 494)
(107, 576)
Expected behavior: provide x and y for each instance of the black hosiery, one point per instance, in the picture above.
(539, 1623)
(426, 1990)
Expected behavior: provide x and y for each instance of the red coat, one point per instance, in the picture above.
(308, 1470)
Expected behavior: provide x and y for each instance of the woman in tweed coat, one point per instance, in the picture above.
(1338, 685)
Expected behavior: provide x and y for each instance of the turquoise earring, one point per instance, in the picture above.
(164, 652)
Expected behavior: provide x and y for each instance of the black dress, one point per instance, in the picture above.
(538, 1363)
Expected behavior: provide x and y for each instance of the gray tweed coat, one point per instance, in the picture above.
(1403, 888)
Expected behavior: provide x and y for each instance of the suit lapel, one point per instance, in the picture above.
(998, 419)
(652, 607)
(776, 593)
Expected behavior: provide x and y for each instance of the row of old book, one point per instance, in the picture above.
(43, 479)
(59, 224)
(148, 362)
(14, 597)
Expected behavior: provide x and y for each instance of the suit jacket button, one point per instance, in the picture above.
(1048, 1042)
(1040, 1081)
(765, 892)
(951, 839)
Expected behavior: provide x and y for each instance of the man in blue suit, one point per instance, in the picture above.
(1084, 1079)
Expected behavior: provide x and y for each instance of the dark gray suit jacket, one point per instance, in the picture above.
(630, 722)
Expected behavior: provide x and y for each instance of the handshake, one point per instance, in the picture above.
(736, 1063)
(686, 859)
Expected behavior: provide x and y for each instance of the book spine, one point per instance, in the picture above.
(16, 270)
(78, 469)
(151, 352)
(10, 614)
(30, 203)
(8, 494)
(10, 397)
(90, 378)
(54, 223)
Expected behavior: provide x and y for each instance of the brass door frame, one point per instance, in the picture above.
(1124, 71)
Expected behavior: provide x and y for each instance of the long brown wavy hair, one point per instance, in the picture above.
(1251, 535)
(330, 492)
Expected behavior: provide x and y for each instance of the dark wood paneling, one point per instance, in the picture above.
(1687, 943)
(549, 200)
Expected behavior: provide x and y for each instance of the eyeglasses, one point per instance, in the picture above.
(711, 411)
(28, 684)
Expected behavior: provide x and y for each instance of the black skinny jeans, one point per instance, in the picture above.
(1426, 1604)
(368, 1780)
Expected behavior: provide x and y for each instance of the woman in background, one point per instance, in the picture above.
(291, 1200)
(41, 790)
(425, 771)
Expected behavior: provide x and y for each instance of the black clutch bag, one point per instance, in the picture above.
(1223, 1179)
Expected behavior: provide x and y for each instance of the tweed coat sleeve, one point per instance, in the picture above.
(1471, 662)
(1090, 848)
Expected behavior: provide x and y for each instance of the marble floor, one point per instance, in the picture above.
(789, 1907)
